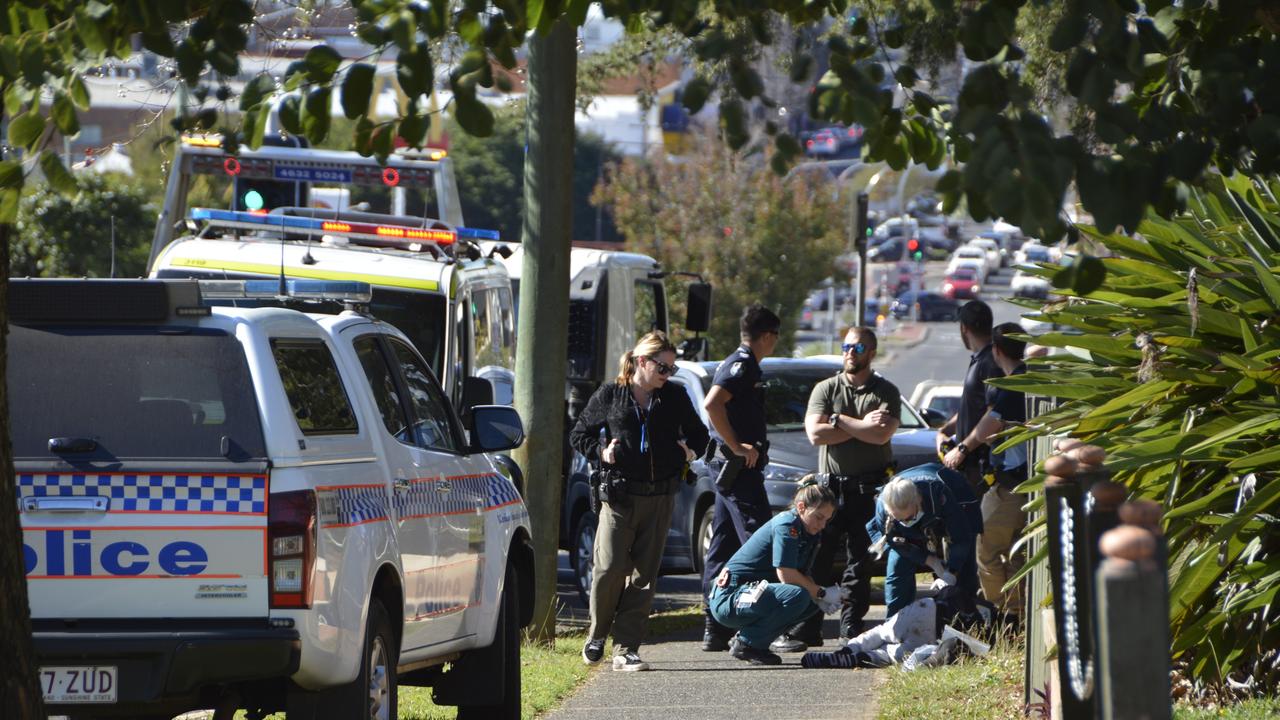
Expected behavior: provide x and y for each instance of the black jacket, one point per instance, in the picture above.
(670, 419)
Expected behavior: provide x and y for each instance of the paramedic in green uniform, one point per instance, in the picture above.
(765, 587)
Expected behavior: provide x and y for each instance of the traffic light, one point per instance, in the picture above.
(914, 250)
(260, 195)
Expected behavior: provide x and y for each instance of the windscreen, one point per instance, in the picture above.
(260, 184)
(136, 392)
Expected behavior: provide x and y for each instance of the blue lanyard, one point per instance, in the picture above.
(644, 425)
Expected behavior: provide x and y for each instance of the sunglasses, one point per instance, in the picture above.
(857, 348)
(663, 368)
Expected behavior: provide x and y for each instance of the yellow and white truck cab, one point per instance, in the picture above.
(256, 507)
(405, 238)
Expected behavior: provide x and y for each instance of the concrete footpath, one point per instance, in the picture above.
(685, 682)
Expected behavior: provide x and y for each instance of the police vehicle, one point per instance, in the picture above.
(290, 210)
(256, 507)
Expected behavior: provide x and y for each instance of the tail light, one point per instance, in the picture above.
(291, 535)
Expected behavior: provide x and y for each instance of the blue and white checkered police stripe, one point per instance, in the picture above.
(139, 492)
(501, 491)
(354, 505)
(422, 499)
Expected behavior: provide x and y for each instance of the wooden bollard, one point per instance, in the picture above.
(1133, 627)
(1072, 550)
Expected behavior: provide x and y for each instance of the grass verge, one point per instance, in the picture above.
(988, 688)
(1257, 709)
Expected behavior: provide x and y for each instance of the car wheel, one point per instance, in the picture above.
(584, 545)
(508, 633)
(374, 689)
(702, 541)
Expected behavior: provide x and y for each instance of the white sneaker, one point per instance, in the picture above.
(629, 662)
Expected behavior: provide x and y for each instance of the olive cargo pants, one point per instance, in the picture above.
(626, 559)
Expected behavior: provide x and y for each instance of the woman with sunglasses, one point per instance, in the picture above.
(651, 432)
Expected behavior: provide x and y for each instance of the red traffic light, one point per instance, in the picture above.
(913, 245)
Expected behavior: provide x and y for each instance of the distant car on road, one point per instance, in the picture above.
(961, 284)
(1033, 252)
(1027, 285)
(996, 257)
(971, 256)
(937, 400)
(933, 306)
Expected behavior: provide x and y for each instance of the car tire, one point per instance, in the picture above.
(584, 542)
(375, 687)
(507, 632)
(702, 538)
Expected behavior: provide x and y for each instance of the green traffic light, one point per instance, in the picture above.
(253, 200)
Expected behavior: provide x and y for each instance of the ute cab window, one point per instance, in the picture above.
(314, 387)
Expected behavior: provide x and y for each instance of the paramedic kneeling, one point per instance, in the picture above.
(765, 588)
(916, 512)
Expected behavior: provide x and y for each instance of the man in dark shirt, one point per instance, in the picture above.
(1002, 514)
(735, 407)
(975, 333)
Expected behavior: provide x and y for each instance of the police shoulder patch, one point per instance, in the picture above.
(736, 369)
(793, 531)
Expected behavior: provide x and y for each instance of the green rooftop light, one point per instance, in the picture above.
(253, 200)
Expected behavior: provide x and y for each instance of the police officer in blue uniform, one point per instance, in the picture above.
(735, 407)
(916, 511)
(765, 587)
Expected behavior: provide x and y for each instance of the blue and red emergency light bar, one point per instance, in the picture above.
(386, 234)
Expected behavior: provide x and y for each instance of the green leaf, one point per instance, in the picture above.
(576, 13)
(64, 115)
(322, 62)
(26, 129)
(413, 129)
(55, 173)
(9, 205)
(533, 12)
(1069, 32)
(255, 126)
(316, 115)
(15, 97)
(382, 141)
(256, 90)
(290, 114)
(92, 33)
(77, 91)
(474, 116)
(10, 174)
(357, 90)
(696, 92)
(414, 71)
(1084, 275)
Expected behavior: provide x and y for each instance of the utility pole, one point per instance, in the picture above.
(861, 200)
(541, 355)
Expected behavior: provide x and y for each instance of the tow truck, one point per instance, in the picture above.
(289, 211)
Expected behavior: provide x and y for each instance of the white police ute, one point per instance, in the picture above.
(255, 507)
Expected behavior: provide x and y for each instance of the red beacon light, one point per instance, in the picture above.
(390, 177)
(231, 165)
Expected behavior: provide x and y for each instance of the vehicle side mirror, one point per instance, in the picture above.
(933, 418)
(698, 317)
(475, 391)
(694, 349)
(494, 428)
